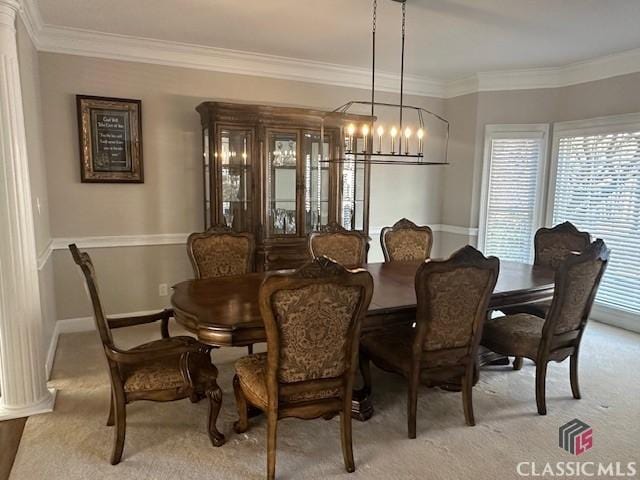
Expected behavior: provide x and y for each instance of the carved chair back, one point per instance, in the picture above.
(453, 296)
(553, 245)
(346, 247)
(406, 241)
(220, 252)
(83, 260)
(576, 284)
(312, 319)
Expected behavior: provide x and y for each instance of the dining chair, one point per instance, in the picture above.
(168, 369)
(312, 319)
(221, 252)
(441, 350)
(557, 336)
(406, 241)
(347, 247)
(551, 246)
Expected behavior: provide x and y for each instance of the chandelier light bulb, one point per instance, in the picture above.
(351, 129)
(393, 132)
(420, 134)
(380, 130)
(365, 130)
(407, 132)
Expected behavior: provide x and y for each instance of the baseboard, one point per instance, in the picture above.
(616, 318)
(80, 324)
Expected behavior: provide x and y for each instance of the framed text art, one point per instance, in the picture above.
(110, 131)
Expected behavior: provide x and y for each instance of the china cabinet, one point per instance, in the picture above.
(266, 170)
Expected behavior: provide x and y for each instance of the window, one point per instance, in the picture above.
(595, 184)
(512, 190)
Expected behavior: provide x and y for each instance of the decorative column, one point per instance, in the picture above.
(23, 383)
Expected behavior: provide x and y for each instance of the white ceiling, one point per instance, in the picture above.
(446, 39)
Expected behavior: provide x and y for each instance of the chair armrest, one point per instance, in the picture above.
(165, 314)
(134, 356)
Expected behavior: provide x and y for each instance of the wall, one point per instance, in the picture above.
(170, 200)
(470, 114)
(30, 84)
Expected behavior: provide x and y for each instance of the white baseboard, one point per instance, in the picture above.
(616, 318)
(80, 324)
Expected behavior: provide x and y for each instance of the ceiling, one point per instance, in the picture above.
(446, 39)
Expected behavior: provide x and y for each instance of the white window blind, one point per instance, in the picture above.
(597, 188)
(511, 199)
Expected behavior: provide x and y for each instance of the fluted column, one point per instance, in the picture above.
(23, 386)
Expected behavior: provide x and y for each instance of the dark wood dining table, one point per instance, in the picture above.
(224, 311)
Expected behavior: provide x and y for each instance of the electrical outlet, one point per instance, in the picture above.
(163, 290)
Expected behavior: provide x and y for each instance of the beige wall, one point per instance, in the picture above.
(170, 200)
(470, 114)
(30, 84)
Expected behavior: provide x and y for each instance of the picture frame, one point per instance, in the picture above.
(110, 134)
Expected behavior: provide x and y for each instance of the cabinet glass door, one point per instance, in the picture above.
(353, 178)
(316, 181)
(235, 149)
(282, 183)
(206, 166)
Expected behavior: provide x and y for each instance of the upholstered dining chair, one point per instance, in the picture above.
(557, 336)
(312, 319)
(453, 296)
(347, 247)
(221, 252)
(551, 247)
(168, 369)
(406, 241)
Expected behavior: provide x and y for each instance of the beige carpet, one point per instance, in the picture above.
(169, 441)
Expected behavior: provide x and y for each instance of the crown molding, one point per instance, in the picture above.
(74, 41)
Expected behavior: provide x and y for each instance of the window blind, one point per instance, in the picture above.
(512, 196)
(597, 188)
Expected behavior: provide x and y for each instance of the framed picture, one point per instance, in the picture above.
(110, 131)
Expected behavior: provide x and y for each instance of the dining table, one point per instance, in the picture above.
(224, 311)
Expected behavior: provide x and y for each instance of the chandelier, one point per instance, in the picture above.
(403, 143)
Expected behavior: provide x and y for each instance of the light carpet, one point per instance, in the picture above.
(169, 441)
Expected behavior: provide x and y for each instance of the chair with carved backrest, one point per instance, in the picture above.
(453, 296)
(552, 246)
(558, 336)
(347, 247)
(406, 241)
(221, 252)
(171, 368)
(312, 319)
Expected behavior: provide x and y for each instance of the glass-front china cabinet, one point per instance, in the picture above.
(266, 171)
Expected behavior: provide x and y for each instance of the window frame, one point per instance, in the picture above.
(515, 131)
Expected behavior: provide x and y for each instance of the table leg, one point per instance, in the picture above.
(361, 406)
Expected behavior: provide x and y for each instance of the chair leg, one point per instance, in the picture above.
(250, 349)
(272, 432)
(541, 377)
(242, 424)
(517, 363)
(467, 396)
(347, 442)
(412, 404)
(120, 431)
(573, 372)
(365, 371)
(215, 402)
(164, 328)
(111, 419)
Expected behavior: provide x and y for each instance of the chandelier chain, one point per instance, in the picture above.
(404, 16)
(375, 8)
